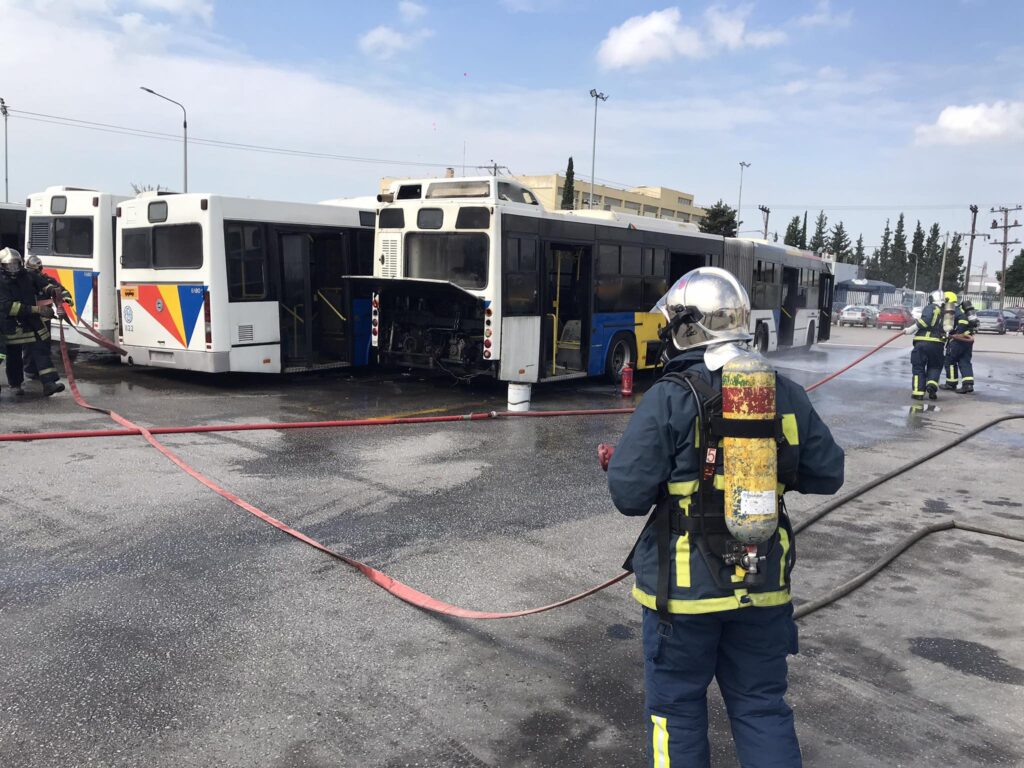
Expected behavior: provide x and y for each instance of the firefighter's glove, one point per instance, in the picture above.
(910, 331)
(46, 312)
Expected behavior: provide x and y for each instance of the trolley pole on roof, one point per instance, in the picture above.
(597, 96)
(184, 128)
(3, 111)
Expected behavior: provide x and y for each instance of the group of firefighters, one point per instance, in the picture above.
(28, 298)
(943, 341)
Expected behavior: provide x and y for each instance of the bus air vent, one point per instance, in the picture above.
(389, 250)
(39, 237)
(245, 334)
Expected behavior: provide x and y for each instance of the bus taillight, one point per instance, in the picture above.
(374, 318)
(120, 322)
(206, 320)
(96, 301)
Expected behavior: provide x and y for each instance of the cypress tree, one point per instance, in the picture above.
(839, 244)
(569, 191)
(899, 266)
(954, 277)
(928, 276)
(803, 233)
(792, 236)
(719, 219)
(820, 237)
(881, 261)
(858, 252)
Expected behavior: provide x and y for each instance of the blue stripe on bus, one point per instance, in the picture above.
(605, 325)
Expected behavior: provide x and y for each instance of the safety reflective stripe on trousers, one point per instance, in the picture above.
(917, 386)
(740, 599)
(784, 541)
(659, 741)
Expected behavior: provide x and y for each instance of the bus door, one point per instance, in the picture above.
(565, 321)
(296, 308)
(790, 296)
(329, 297)
(825, 286)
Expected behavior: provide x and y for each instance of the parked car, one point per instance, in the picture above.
(1013, 320)
(895, 317)
(991, 320)
(858, 314)
(837, 312)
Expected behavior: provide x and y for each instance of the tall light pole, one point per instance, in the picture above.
(597, 96)
(3, 111)
(739, 202)
(184, 128)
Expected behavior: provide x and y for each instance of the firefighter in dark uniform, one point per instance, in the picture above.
(929, 349)
(24, 322)
(700, 620)
(34, 264)
(960, 348)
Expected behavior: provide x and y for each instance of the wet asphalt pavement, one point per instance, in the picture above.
(146, 621)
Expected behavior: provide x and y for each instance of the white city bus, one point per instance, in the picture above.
(72, 231)
(216, 284)
(472, 276)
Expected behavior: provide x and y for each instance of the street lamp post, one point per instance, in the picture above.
(597, 96)
(739, 202)
(184, 128)
(3, 111)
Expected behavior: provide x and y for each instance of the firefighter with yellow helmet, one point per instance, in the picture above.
(712, 447)
(960, 346)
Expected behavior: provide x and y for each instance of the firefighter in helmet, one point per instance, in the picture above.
(714, 606)
(960, 347)
(929, 348)
(23, 322)
(34, 264)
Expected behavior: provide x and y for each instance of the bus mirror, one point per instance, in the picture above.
(386, 197)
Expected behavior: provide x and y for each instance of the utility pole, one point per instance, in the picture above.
(970, 247)
(1005, 242)
(765, 213)
(3, 111)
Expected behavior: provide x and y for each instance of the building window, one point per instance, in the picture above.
(650, 210)
(683, 201)
(611, 202)
(631, 206)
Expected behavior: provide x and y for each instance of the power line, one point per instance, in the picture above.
(70, 122)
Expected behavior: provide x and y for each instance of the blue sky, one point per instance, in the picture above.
(863, 108)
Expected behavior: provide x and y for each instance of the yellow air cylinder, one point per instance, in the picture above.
(749, 463)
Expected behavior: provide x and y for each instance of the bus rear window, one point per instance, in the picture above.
(391, 218)
(455, 257)
(476, 217)
(178, 246)
(453, 189)
(135, 251)
(72, 236)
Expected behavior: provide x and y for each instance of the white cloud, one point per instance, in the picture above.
(662, 36)
(384, 42)
(410, 11)
(824, 16)
(180, 9)
(999, 121)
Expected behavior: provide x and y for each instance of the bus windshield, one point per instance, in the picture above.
(459, 258)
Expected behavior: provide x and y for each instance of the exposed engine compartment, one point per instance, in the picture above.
(432, 327)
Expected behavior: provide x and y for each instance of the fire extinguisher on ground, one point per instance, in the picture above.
(626, 382)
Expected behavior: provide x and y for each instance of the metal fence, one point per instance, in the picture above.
(979, 300)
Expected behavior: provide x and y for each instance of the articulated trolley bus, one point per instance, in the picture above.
(472, 276)
(12, 226)
(72, 231)
(216, 284)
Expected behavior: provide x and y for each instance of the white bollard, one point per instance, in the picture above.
(519, 397)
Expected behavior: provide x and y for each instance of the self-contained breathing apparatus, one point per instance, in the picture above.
(948, 309)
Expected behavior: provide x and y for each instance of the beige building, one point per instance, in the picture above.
(660, 202)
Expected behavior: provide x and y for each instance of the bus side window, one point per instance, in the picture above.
(522, 295)
(246, 261)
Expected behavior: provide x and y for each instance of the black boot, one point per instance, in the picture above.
(966, 389)
(949, 385)
(53, 388)
(932, 391)
(917, 397)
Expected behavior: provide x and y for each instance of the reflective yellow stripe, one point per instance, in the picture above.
(15, 308)
(789, 429)
(659, 742)
(927, 338)
(683, 487)
(715, 604)
(784, 540)
(719, 482)
(683, 560)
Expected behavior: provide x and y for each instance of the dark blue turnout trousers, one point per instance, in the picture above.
(959, 367)
(745, 650)
(926, 364)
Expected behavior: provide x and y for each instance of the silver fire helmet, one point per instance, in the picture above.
(10, 261)
(706, 306)
(33, 262)
(937, 297)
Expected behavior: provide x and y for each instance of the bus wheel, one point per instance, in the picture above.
(621, 351)
(761, 339)
(810, 335)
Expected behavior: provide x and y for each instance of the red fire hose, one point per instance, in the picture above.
(393, 586)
